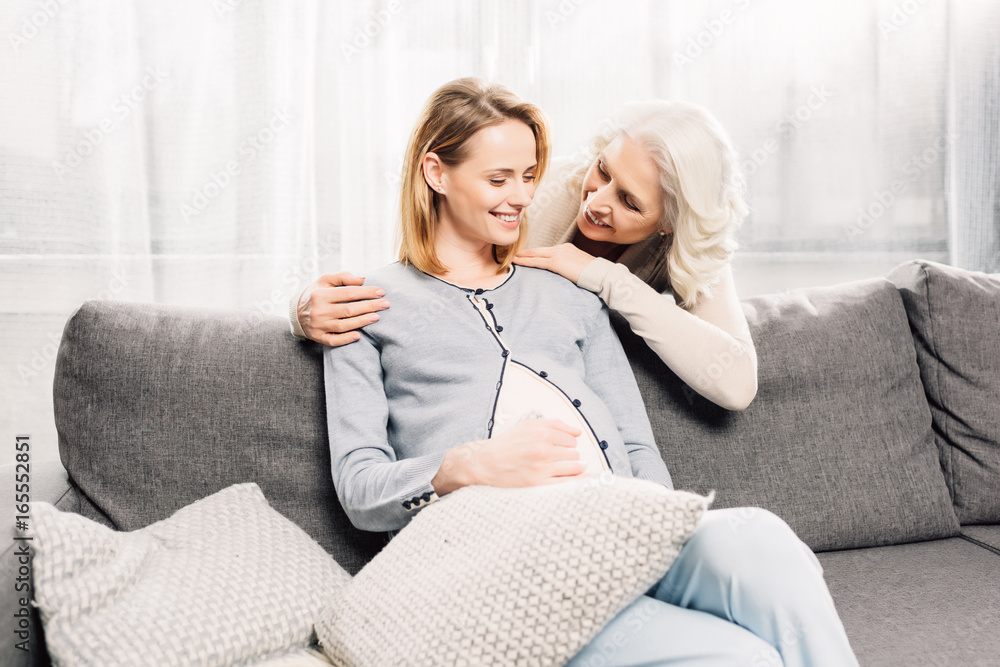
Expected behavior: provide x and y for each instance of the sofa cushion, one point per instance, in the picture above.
(495, 576)
(159, 406)
(955, 318)
(930, 603)
(838, 441)
(223, 581)
(987, 537)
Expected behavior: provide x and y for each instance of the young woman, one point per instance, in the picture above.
(488, 373)
(651, 206)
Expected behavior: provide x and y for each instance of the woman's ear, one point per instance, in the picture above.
(434, 172)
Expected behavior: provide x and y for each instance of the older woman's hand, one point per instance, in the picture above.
(331, 309)
(566, 259)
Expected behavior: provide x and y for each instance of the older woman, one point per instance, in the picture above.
(651, 207)
(488, 373)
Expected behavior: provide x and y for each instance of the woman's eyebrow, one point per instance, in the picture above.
(628, 193)
(508, 170)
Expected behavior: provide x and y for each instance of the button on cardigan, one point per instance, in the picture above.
(425, 377)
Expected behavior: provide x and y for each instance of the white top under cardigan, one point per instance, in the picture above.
(426, 378)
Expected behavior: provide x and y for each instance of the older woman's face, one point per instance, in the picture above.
(621, 200)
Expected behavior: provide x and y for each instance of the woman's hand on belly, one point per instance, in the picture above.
(535, 452)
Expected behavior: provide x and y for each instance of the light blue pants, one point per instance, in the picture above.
(745, 590)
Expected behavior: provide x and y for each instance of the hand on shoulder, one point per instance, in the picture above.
(335, 306)
(565, 259)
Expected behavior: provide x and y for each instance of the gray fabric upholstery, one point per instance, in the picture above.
(932, 603)
(955, 318)
(988, 536)
(838, 441)
(158, 407)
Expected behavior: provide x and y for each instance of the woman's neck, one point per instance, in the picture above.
(469, 265)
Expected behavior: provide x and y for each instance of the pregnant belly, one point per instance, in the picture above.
(524, 395)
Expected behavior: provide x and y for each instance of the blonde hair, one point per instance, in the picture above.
(450, 117)
(702, 188)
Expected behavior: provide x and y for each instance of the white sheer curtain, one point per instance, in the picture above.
(224, 152)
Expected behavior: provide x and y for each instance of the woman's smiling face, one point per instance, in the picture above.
(621, 199)
(486, 194)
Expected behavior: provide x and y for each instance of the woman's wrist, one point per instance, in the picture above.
(594, 274)
(293, 315)
(456, 471)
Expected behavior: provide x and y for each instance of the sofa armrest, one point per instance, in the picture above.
(33, 654)
(47, 481)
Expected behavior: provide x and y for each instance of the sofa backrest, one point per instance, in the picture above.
(157, 407)
(955, 319)
(838, 441)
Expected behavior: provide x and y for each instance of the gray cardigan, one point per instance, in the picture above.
(425, 378)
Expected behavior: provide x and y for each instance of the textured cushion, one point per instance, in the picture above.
(159, 406)
(955, 317)
(491, 576)
(931, 603)
(224, 580)
(838, 441)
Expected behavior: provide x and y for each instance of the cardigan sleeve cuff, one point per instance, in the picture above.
(649, 466)
(293, 317)
(594, 274)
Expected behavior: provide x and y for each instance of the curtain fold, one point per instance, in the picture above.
(975, 125)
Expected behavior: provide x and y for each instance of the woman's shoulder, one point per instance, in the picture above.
(395, 274)
(559, 290)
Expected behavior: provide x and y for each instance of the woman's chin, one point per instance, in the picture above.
(506, 237)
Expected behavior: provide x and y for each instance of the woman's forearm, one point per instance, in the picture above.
(720, 366)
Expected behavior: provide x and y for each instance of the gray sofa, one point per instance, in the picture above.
(875, 434)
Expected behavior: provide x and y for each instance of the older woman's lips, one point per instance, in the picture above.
(593, 219)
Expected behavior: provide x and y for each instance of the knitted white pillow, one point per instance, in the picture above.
(223, 581)
(491, 576)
